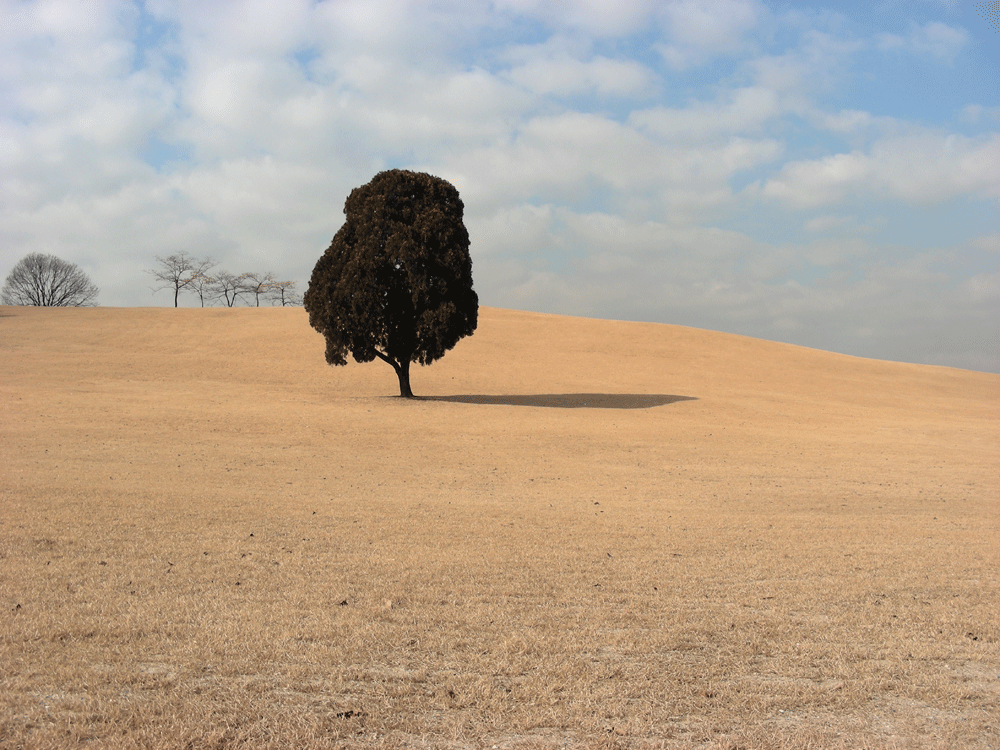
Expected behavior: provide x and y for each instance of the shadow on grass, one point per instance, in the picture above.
(570, 400)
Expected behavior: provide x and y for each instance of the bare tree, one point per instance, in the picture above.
(283, 293)
(46, 281)
(203, 285)
(227, 286)
(258, 284)
(179, 272)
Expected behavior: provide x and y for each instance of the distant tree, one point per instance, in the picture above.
(179, 272)
(46, 281)
(284, 294)
(396, 282)
(227, 287)
(203, 285)
(257, 285)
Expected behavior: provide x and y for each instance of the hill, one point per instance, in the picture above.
(584, 531)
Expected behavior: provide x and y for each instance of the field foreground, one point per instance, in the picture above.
(586, 534)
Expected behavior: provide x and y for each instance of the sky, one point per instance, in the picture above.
(825, 174)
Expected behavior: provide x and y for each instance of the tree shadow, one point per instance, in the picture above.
(569, 400)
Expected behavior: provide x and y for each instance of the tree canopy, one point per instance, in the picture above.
(47, 281)
(396, 282)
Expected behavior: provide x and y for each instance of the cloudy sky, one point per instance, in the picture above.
(824, 173)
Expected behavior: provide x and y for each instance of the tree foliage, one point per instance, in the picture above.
(47, 281)
(396, 282)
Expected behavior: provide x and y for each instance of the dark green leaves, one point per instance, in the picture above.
(397, 278)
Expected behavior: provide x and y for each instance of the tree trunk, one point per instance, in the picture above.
(403, 372)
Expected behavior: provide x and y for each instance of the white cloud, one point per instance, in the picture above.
(989, 243)
(346, 28)
(928, 168)
(817, 182)
(701, 29)
(597, 18)
(64, 21)
(983, 287)
(919, 168)
(575, 159)
(743, 110)
(243, 28)
(565, 76)
(826, 223)
(933, 38)
(976, 113)
(521, 227)
(847, 121)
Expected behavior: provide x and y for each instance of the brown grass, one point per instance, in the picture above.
(589, 534)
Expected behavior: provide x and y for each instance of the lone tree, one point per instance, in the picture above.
(47, 281)
(396, 282)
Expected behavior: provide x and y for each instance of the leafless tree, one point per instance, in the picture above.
(227, 287)
(258, 285)
(203, 285)
(46, 281)
(283, 293)
(179, 272)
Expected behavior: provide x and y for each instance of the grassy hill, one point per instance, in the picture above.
(586, 533)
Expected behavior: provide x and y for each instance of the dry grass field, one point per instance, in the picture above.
(585, 534)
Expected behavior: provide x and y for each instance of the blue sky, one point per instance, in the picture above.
(826, 174)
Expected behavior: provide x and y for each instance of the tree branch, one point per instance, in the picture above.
(384, 358)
